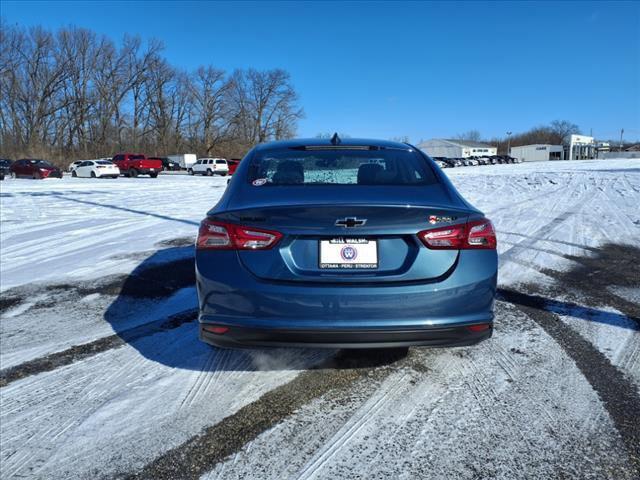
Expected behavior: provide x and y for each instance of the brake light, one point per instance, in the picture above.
(229, 236)
(477, 234)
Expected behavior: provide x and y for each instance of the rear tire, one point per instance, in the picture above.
(37, 176)
(13, 175)
(74, 174)
(133, 173)
(223, 174)
(190, 171)
(93, 174)
(153, 175)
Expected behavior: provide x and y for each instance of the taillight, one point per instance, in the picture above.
(471, 235)
(229, 236)
(481, 234)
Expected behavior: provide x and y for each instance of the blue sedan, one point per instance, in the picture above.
(344, 244)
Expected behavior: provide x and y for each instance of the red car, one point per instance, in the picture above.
(134, 164)
(34, 168)
(233, 164)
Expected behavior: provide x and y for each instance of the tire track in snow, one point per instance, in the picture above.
(87, 350)
(619, 396)
(375, 403)
(547, 228)
(200, 453)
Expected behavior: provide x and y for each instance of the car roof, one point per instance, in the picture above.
(326, 142)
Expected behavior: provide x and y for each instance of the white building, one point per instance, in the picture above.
(538, 152)
(580, 147)
(440, 147)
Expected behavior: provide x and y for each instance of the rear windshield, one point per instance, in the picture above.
(340, 167)
(221, 161)
(137, 157)
(103, 162)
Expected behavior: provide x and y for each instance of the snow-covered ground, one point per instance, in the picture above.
(136, 392)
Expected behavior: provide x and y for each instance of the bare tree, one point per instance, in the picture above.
(264, 104)
(471, 135)
(210, 90)
(562, 129)
(74, 93)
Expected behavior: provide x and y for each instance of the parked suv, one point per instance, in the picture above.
(34, 168)
(210, 166)
(134, 164)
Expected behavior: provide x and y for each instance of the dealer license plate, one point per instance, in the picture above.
(354, 253)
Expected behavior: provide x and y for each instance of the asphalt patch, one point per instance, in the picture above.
(590, 279)
(7, 302)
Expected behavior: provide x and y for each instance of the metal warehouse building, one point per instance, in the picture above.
(538, 152)
(440, 147)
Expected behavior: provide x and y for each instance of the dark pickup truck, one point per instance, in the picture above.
(134, 164)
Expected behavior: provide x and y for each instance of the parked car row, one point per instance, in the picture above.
(444, 162)
(127, 164)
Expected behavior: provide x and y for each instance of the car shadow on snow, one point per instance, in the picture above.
(155, 312)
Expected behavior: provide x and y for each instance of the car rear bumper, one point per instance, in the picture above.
(238, 337)
(259, 312)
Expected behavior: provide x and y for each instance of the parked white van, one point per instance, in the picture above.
(185, 161)
(210, 166)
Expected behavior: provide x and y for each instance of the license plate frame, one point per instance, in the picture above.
(342, 253)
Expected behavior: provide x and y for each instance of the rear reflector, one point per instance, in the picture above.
(229, 236)
(481, 327)
(477, 234)
(217, 329)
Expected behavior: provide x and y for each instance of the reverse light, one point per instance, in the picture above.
(477, 234)
(229, 236)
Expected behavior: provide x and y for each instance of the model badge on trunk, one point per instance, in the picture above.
(433, 219)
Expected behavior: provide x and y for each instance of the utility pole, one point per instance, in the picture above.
(621, 133)
(509, 143)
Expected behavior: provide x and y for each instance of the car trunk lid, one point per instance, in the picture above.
(317, 234)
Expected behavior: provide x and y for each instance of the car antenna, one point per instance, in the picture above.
(335, 140)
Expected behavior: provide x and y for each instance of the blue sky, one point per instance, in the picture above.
(391, 69)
